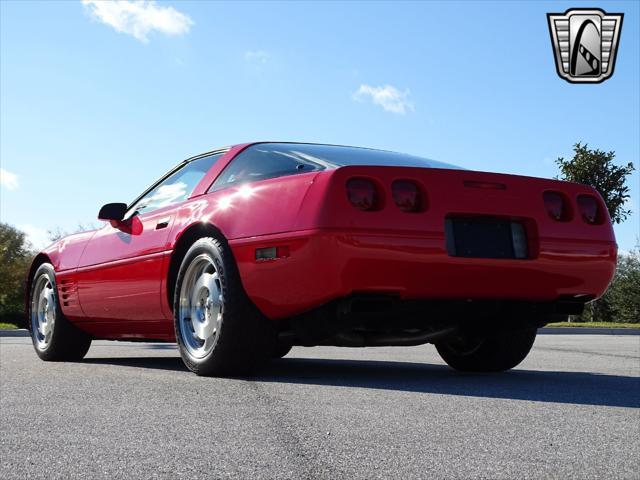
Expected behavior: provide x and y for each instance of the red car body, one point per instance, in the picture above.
(117, 282)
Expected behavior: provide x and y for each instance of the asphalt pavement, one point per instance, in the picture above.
(131, 410)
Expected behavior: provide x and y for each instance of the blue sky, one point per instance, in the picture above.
(93, 107)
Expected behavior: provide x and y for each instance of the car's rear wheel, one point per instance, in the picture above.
(218, 330)
(54, 337)
(492, 353)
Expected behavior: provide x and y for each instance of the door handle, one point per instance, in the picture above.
(163, 223)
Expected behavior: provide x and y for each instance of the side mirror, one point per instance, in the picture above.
(113, 211)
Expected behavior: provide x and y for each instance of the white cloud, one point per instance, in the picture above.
(8, 180)
(388, 97)
(38, 237)
(139, 17)
(257, 56)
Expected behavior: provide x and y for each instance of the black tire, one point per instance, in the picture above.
(281, 351)
(244, 339)
(494, 353)
(66, 342)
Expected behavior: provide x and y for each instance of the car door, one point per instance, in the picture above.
(120, 272)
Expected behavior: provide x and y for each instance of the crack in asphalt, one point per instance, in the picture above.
(307, 461)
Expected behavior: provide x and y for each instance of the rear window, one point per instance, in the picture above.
(269, 160)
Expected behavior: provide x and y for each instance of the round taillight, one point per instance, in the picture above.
(589, 209)
(407, 196)
(363, 194)
(556, 206)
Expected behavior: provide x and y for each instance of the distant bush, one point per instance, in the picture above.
(621, 302)
(15, 258)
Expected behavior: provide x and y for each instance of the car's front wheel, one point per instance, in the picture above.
(492, 353)
(218, 330)
(54, 337)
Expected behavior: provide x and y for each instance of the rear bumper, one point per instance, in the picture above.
(324, 265)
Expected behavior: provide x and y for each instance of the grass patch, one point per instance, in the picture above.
(8, 326)
(594, 325)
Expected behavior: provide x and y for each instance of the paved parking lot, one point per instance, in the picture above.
(571, 410)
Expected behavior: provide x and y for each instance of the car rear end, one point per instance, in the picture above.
(439, 233)
(435, 235)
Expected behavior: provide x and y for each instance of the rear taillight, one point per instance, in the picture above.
(589, 209)
(407, 196)
(363, 194)
(557, 206)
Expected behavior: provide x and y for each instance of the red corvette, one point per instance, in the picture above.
(240, 253)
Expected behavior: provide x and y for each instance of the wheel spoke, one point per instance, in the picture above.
(42, 329)
(208, 328)
(208, 343)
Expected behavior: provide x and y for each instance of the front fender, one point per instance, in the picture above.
(64, 255)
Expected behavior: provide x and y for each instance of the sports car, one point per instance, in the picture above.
(240, 253)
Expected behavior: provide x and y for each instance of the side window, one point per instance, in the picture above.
(260, 162)
(177, 187)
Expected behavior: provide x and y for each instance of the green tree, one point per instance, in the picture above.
(15, 257)
(621, 302)
(596, 168)
(624, 293)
